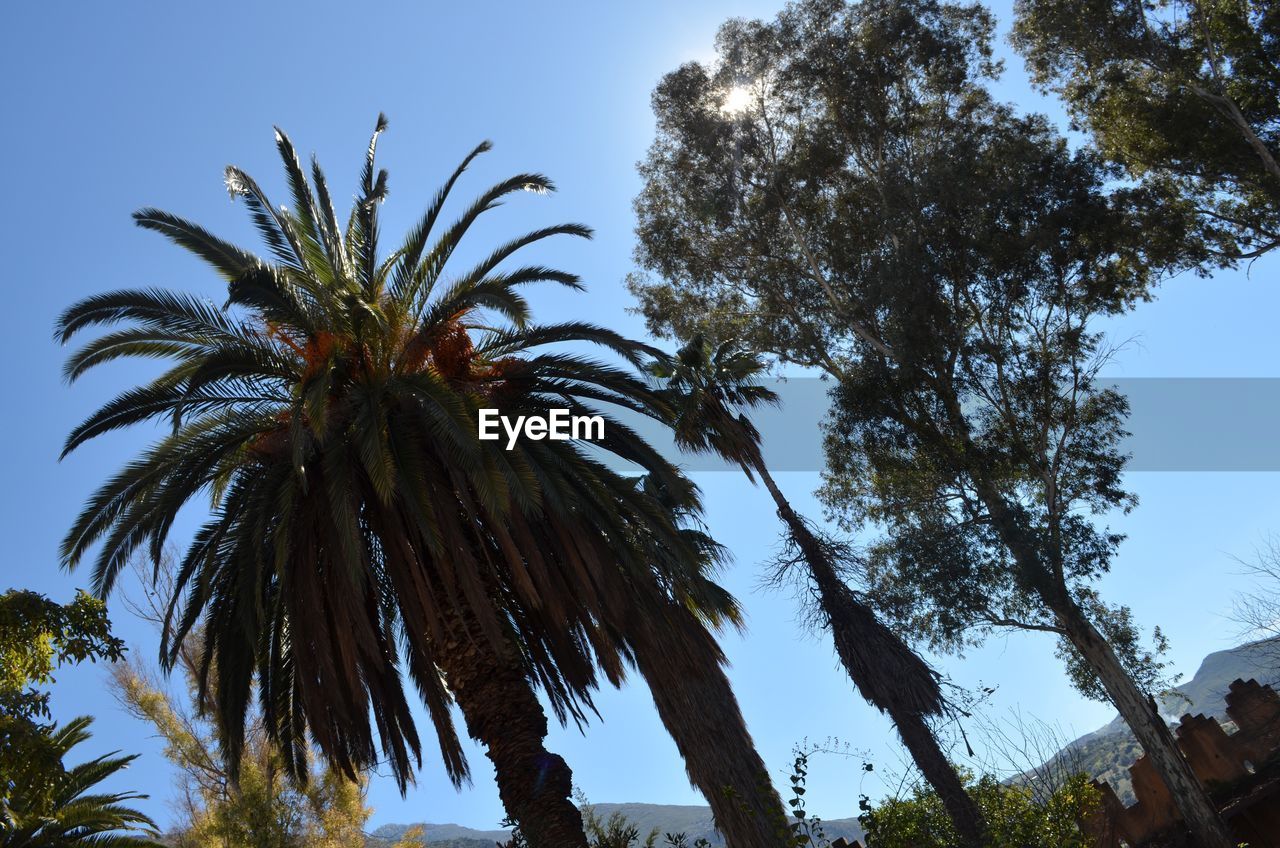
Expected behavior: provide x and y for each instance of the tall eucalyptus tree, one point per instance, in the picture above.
(840, 191)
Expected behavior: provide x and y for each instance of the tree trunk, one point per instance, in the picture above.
(502, 711)
(1141, 714)
(683, 666)
(841, 609)
(923, 746)
(1135, 708)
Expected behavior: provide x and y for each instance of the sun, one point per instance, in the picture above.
(736, 100)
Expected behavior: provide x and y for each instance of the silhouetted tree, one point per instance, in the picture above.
(709, 386)
(869, 211)
(361, 530)
(1185, 97)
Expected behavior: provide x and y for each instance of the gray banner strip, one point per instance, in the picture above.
(1177, 424)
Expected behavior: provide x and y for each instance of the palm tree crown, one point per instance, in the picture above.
(329, 408)
(73, 814)
(705, 384)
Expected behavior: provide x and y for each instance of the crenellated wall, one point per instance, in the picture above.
(1224, 762)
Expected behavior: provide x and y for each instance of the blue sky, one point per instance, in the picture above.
(111, 107)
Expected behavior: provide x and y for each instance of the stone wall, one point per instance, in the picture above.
(1231, 766)
(1241, 770)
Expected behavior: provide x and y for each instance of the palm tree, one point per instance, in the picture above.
(691, 692)
(706, 384)
(67, 813)
(359, 527)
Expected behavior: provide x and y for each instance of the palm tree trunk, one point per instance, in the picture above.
(502, 712)
(884, 669)
(920, 742)
(684, 669)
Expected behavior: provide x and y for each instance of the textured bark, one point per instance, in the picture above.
(923, 746)
(1140, 713)
(683, 667)
(851, 624)
(1137, 710)
(503, 712)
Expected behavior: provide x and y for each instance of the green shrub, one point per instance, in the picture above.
(1013, 815)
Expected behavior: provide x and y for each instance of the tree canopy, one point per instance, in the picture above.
(67, 809)
(361, 535)
(744, 218)
(873, 213)
(1014, 815)
(37, 635)
(1185, 97)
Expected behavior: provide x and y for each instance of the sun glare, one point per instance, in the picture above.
(736, 100)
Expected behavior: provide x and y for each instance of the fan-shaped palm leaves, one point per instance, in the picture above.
(706, 384)
(69, 813)
(359, 527)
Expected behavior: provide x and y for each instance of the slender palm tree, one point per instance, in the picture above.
(691, 691)
(706, 385)
(359, 527)
(72, 814)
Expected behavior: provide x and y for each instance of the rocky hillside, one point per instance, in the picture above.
(1107, 752)
(438, 836)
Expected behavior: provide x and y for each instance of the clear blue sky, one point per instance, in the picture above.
(110, 107)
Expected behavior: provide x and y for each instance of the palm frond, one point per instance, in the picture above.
(358, 532)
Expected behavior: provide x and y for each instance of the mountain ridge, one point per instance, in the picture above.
(693, 820)
(1107, 752)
